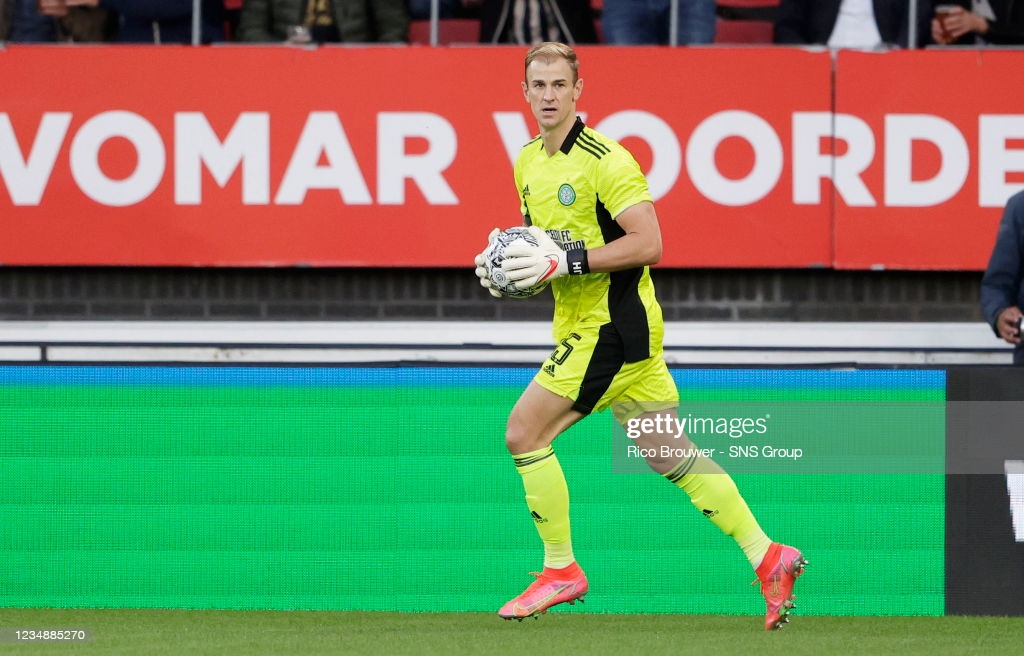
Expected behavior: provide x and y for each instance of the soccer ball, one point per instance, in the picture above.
(494, 255)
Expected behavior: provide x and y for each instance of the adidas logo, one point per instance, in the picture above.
(709, 513)
(537, 518)
(549, 369)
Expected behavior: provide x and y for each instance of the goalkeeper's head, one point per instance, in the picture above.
(550, 51)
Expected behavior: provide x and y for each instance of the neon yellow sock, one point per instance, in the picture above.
(547, 496)
(715, 494)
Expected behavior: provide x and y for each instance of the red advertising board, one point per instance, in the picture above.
(402, 156)
(937, 139)
(380, 156)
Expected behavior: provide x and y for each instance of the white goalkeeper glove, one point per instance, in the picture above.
(481, 268)
(528, 266)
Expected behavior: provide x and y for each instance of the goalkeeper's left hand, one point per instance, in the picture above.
(481, 267)
(528, 266)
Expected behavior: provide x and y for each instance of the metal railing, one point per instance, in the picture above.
(197, 19)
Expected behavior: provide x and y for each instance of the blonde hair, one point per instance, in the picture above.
(553, 50)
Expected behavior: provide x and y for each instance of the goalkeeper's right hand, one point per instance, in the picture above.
(481, 267)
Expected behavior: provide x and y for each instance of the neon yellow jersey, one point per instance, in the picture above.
(574, 196)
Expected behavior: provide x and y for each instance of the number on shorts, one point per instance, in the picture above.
(559, 356)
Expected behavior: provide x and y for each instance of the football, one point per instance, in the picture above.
(494, 255)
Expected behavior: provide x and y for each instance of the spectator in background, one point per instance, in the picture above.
(988, 22)
(1002, 285)
(862, 24)
(531, 22)
(158, 21)
(327, 21)
(633, 22)
(22, 21)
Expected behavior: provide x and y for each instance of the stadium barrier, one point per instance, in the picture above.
(208, 477)
(364, 487)
(528, 342)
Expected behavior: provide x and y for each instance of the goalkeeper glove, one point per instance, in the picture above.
(481, 267)
(528, 266)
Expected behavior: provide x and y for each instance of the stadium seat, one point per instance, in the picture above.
(743, 31)
(449, 30)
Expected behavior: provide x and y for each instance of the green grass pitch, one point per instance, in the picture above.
(239, 633)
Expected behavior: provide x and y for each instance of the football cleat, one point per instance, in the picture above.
(777, 573)
(552, 587)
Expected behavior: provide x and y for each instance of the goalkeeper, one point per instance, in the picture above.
(587, 203)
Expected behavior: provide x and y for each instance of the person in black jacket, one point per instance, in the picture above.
(1002, 286)
(981, 22)
(337, 21)
(161, 21)
(32, 21)
(851, 23)
(531, 22)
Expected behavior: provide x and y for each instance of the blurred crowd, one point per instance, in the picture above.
(834, 23)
